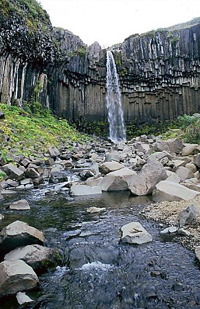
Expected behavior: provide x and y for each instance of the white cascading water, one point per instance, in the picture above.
(113, 101)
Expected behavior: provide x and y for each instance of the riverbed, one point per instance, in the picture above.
(96, 269)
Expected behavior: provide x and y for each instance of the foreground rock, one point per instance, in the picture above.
(19, 234)
(145, 181)
(81, 190)
(134, 233)
(13, 171)
(188, 216)
(118, 180)
(38, 257)
(16, 276)
(170, 191)
(108, 167)
(20, 205)
(92, 210)
(22, 298)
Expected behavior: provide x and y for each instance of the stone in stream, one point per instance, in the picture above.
(20, 205)
(118, 180)
(145, 181)
(108, 167)
(92, 210)
(22, 298)
(134, 233)
(19, 234)
(16, 276)
(197, 252)
(38, 257)
(188, 216)
(171, 191)
(169, 230)
(1, 217)
(81, 190)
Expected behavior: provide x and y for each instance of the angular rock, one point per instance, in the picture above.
(108, 167)
(53, 151)
(81, 190)
(171, 191)
(174, 145)
(32, 173)
(145, 181)
(118, 180)
(169, 230)
(188, 216)
(197, 160)
(13, 171)
(38, 257)
(16, 276)
(22, 298)
(18, 234)
(191, 167)
(189, 149)
(20, 205)
(134, 233)
(173, 177)
(184, 173)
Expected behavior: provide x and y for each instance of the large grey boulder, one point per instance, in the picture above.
(145, 181)
(170, 191)
(20, 205)
(134, 233)
(19, 234)
(38, 257)
(13, 171)
(53, 151)
(184, 173)
(173, 145)
(16, 276)
(108, 167)
(118, 180)
(81, 190)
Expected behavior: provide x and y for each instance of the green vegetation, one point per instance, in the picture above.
(188, 129)
(80, 52)
(29, 133)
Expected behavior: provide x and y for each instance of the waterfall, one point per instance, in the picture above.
(113, 101)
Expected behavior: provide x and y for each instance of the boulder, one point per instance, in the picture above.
(18, 234)
(197, 160)
(32, 173)
(134, 233)
(108, 167)
(16, 276)
(188, 216)
(170, 191)
(171, 176)
(38, 257)
(22, 298)
(191, 167)
(81, 190)
(20, 205)
(54, 152)
(145, 181)
(173, 145)
(118, 180)
(184, 173)
(189, 149)
(13, 171)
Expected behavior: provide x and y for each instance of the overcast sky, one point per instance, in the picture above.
(111, 21)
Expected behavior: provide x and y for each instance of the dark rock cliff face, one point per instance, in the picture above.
(159, 71)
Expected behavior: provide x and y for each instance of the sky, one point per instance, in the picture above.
(111, 21)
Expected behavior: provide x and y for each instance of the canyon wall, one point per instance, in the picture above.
(159, 71)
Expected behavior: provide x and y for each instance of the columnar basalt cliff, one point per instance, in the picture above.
(159, 71)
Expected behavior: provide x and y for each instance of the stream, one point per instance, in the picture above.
(97, 271)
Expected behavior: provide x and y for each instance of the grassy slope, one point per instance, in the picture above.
(31, 134)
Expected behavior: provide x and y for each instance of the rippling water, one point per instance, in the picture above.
(97, 270)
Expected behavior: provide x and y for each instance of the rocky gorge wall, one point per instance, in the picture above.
(159, 71)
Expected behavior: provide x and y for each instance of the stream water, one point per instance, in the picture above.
(97, 271)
